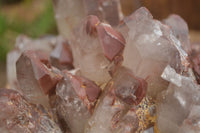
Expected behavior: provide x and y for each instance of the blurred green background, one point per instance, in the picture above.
(34, 18)
(31, 17)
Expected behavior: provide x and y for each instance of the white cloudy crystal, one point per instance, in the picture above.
(69, 13)
(150, 47)
(88, 56)
(192, 123)
(12, 58)
(180, 30)
(174, 104)
(24, 43)
(150, 130)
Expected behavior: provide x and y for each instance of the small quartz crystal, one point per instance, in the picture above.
(61, 56)
(76, 99)
(24, 43)
(35, 79)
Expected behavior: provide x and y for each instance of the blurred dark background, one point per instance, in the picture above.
(187, 9)
(35, 18)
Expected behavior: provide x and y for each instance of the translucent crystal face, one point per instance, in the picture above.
(61, 56)
(175, 104)
(191, 123)
(35, 79)
(95, 46)
(70, 13)
(113, 110)
(180, 30)
(23, 43)
(76, 100)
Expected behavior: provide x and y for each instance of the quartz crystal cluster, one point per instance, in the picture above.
(104, 74)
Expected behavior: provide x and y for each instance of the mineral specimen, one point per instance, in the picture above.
(76, 99)
(97, 49)
(95, 79)
(70, 13)
(19, 116)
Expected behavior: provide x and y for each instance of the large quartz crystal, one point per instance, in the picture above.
(19, 116)
(150, 47)
(97, 49)
(69, 13)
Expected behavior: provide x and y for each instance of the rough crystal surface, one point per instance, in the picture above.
(17, 115)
